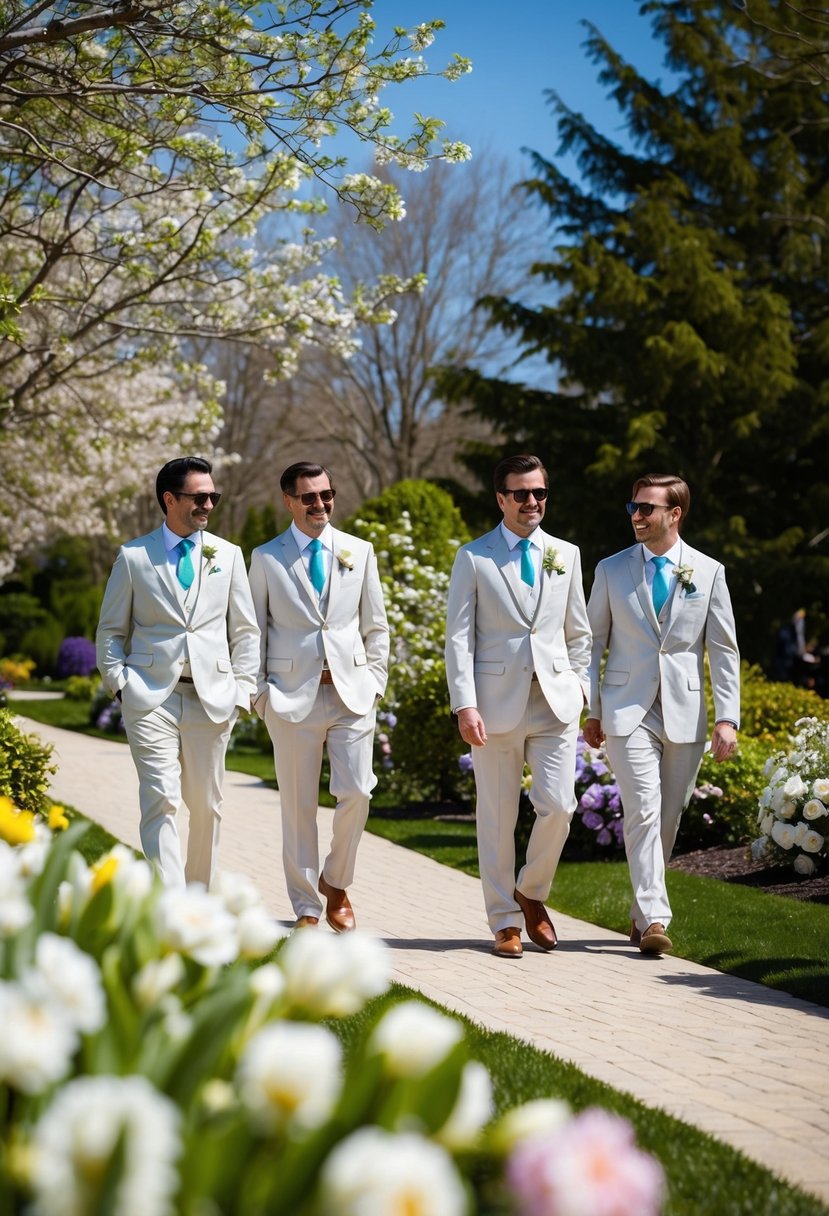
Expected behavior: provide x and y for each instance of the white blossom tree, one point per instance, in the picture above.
(142, 148)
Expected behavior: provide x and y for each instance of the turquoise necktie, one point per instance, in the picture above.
(661, 586)
(527, 564)
(184, 570)
(316, 567)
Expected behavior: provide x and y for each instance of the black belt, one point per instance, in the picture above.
(326, 676)
(185, 680)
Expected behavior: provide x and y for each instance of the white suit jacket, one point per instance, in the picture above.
(145, 635)
(349, 631)
(645, 659)
(493, 645)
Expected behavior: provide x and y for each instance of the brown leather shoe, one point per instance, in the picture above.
(307, 922)
(508, 943)
(655, 940)
(635, 934)
(539, 926)
(339, 912)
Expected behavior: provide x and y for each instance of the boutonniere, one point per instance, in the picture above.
(683, 575)
(345, 559)
(208, 553)
(552, 561)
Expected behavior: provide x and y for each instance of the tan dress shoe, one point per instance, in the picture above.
(307, 922)
(339, 912)
(508, 943)
(540, 929)
(655, 940)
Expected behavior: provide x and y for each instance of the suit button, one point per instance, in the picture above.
(325, 626)
(533, 631)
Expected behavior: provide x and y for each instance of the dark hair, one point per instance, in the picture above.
(174, 474)
(678, 493)
(302, 468)
(517, 464)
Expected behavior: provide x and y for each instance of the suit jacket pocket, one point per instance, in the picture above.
(485, 667)
(616, 677)
(280, 665)
(224, 665)
(360, 659)
(139, 659)
(561, 665)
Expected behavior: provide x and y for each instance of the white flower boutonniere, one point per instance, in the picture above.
(208, 553)
(345, 559)
(552, 561)
(683, 575)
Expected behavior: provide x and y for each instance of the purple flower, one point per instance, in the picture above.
(599, 769)
(613, 799)
(389, 718)
(465, 763)
(76, 657)
(593, 798)
(604, 837)
(592, 820)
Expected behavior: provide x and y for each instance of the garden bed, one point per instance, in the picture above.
(735, 865)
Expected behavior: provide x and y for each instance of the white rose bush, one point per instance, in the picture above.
(170, 1053)
(793, 813)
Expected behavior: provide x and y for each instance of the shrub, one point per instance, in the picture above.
(436, 525)
(425, 744)
(82, 688)
(769, 710)
(794, 807)
(76, 657)
(723, 809)
(15, 670)
(105, 712)
(24, 765)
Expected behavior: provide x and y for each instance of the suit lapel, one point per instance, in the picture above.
(294, 563)
(677, 602)
(508, 567)
(636, 565)
(157, 553)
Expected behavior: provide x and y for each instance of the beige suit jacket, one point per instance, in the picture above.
(145, 635)
(646, 659)
(493, 644)
(348, 631)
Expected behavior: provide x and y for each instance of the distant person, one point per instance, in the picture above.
(517, 650)
(795, 657)
(178, 645)
(657, 608)
(323, 667)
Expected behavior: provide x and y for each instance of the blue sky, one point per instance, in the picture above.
(518, 50)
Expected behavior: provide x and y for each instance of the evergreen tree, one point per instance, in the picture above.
(689, 316)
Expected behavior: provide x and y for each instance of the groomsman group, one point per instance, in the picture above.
(185, 640)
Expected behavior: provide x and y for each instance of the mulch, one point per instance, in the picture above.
(736, 866)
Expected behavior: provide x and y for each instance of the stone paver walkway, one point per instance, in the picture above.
(740, 1061)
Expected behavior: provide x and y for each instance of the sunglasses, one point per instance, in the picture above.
(522, 495)
(311, 497)
(646, 508)
(200, 500)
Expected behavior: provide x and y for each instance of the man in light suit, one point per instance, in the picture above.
(178, 645)
(517, 649)
(658, 607)
(323, 666)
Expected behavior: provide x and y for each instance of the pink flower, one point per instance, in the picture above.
(589, 1167)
